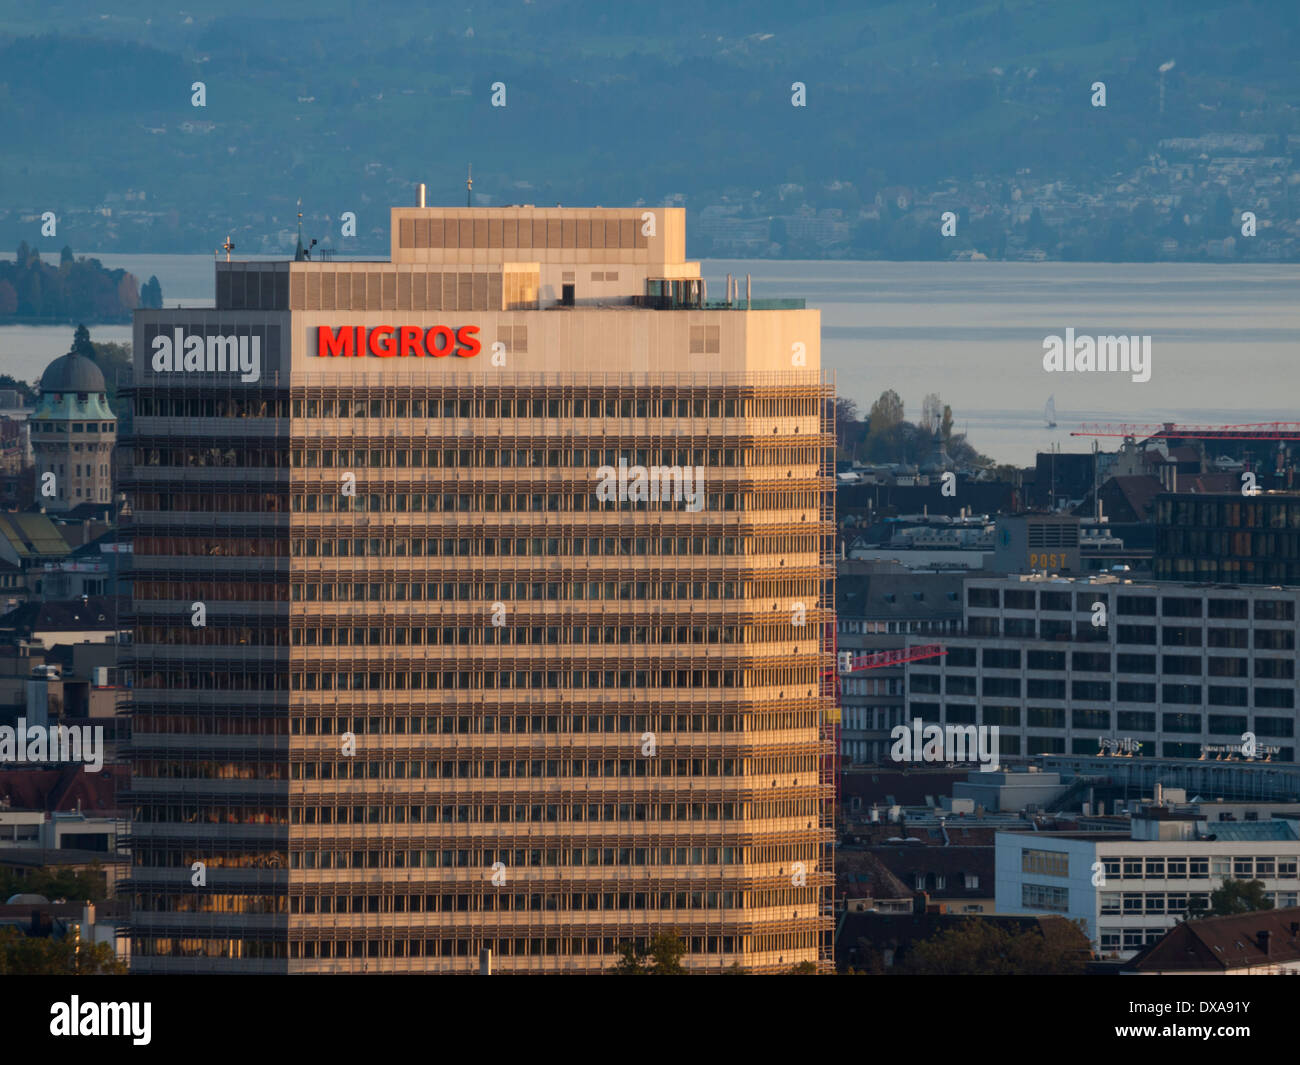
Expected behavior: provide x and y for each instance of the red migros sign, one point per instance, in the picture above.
(400, 341)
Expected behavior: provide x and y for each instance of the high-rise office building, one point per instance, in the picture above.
(482, 602)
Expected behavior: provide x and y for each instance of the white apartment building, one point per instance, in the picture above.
(1129, 891)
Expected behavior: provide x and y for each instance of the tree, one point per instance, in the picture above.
(848, 427)
(23, 955)
(81, 344)
(886, 412)
(1232, 896)
(666, 950)
(804, 968)
(54, 883)
(151, 293)
(945, 424)
(65, 256)
(982, 948)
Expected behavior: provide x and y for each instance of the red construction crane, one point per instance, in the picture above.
(880, 659)
(1245, 431)
(847, 662)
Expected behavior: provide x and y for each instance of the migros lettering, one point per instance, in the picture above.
(406, 341)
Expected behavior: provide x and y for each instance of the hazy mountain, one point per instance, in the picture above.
(347, 104)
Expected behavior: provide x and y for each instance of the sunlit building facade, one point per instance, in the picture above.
(482, 603)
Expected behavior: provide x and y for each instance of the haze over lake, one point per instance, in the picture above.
(1225, 338)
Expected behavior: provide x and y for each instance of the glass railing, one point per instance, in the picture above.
(666, 303)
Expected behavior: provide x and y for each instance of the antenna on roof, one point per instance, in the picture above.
(469, 186)
(230, 245)
(301, 253)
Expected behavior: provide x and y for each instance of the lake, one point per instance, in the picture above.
(1225, 339)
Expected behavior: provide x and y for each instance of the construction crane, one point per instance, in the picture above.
(847, 662)
(851, 663)
(1245, 431)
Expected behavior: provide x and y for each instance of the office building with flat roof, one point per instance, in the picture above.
(1104, 665)
(483, 602)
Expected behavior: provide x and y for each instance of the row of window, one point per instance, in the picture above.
(500, 900)
(1130, 605)
(430, 403)
(341, 766)
(202, 588)
(1085, 632)
(212, 721)
(399, 456)
(157, 855)
(1191, 511)
(552, 591)
(41, 424)
(1102, 720)
(689, 495)
(553, 679)
(1095, 661)
(403, 946)
(1200, 868)
(464, 680)
(505, 635)
(1126, 691)
(554, 546)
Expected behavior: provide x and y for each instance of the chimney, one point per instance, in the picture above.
(419, 194)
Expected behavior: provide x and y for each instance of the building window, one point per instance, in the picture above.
(1045, 863)
(1040, 897)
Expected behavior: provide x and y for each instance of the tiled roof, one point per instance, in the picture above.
(863, 874)
(1222, 944)
(59, 790)
(66, 615)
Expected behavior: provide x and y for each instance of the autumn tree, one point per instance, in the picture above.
(886, 412)
(23, 955)
(983, 948)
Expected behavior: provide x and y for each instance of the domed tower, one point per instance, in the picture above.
(73, 433)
